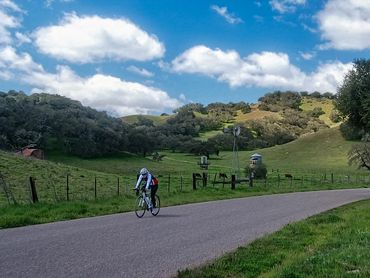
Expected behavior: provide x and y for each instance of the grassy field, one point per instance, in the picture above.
(157, 120)
(332, 244)
(325, 151)
(311, 160)
(50, 211)
(325, 104)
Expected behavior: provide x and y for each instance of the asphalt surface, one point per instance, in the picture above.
(122, 245)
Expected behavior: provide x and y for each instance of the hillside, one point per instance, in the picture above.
(325, 104)
(325, 150)
(157, 120)
(315, 154)
(50, 179)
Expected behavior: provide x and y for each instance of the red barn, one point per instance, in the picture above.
(28, 152)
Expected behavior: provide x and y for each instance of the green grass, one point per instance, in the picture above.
(324, 151)
(23, 215)
(50, 211)
(332, 244)
(310, 159)
(51, 179)
(157, 120)
(326, 105)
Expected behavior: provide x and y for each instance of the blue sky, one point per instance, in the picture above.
(146, 56)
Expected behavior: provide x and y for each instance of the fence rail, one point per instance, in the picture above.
(70, 187)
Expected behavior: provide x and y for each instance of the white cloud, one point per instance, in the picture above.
(307, 55)
(258, 18)
(7, 21)
(258, 4)
(222, 11)
(103, 92)
(142, 72)
(22, 38)
(182, 97)
(49, 3)
(327, 77)
(266, 69)
(286, 6)
(10, 60)
(88, 39)
(11, 5)
(345, 25)
(308, 28)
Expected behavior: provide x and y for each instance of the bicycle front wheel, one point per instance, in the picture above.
(155, 210)
(140, 207)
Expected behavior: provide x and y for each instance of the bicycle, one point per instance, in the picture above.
(144, 203)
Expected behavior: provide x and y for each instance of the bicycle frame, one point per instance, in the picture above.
(144, 203)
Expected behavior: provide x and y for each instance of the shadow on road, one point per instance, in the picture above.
(168, 215)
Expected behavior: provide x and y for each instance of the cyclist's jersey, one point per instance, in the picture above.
(150, 181)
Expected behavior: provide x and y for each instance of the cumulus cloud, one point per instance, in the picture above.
(10, 5)
(265, 69)
(88, 39)
(103, 92)
(327, 77)
(286, 6)
(222, 11)
(8, 21)
(307, 55)
(22, 38)
(11, 60)
(345, 25)
(139, 71)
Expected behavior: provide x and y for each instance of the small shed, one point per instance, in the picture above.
(203, 162)
(29, 152)
(256, 158)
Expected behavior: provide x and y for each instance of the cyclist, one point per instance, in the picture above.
(151, 182)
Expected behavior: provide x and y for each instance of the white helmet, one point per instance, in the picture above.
(143, 171)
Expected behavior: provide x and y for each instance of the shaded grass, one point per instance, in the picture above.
(44, 212)
(321, 152)
(23, 215)
(331, 244)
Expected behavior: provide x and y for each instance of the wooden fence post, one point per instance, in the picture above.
(117, 186)
(169, 182)
(233, 181)
(35, 199)
(194, 182)
(181, 183)
(204, 179)
(95, 194)
(278, 180)
(67, 187)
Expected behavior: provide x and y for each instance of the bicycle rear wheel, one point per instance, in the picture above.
(155, 210)
(140, 207)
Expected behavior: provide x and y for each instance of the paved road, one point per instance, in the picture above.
(122, 245)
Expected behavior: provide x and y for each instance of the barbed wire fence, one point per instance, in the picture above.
(58, 187)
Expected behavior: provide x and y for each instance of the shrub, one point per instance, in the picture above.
(335, 117)
(350, 132)
(259, 170)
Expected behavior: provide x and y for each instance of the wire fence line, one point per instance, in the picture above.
(68, 187)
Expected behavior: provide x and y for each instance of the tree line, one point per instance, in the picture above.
(54, 122)
(353, 105)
